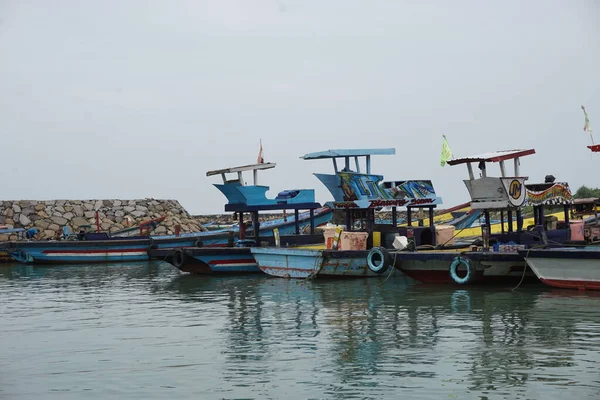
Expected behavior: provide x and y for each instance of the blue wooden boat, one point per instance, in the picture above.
(250, 199)
(357, 195)
(100, 247)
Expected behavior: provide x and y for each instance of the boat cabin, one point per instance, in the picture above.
(243, 198)
(359, 194)
(495, 192)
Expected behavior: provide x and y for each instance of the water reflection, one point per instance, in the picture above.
(258, 337)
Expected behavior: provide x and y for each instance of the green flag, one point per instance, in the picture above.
(446, 152)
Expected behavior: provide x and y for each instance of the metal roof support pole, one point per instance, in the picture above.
(510, 221)
(516, 166)
(368, 164)
(312, 221)
(335, 167)
(347, 163)
(296, 221)
(357, 165)
(255, 177)
(502, 170)
(470, 168)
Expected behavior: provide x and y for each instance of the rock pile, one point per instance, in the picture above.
(50, 216)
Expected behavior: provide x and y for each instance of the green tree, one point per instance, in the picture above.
(585, 192)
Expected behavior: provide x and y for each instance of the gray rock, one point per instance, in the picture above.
(129, 209)
(78, 221)
(2, 220)
(42, 214)
(132, 203)
(48, 234)
(68, 216)
(68, 208)
(107, 203)
(78, 210)
(141, 208)
(54, 227)
(8, 212)
(90, 214)
(88, 206)
(60, 202)
(116, 203)
(24, 220)
(16, 208)
(59, 220)
(160, 230)
(98, 205)
(105, 226)
(60, 209)
(40, 207)
(118, 219)
(28, 210)
(49, 202)
(41, 224)
(57, 214)
(138, 213)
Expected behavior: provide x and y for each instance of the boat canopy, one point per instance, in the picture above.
(239, 170)
(495, 156)
(595, 148)
(346, 154)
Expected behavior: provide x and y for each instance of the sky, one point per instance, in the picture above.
(134, 99)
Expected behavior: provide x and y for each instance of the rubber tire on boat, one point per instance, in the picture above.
(199, 243)
(454, 269)
(178, 258)
(384, 260)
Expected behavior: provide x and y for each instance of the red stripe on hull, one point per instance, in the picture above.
(579, 285)
(93, 251)
(438, 277)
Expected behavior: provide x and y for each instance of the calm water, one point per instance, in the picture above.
(146, 332)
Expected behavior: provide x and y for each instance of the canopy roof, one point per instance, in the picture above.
(595, 148)
(348, 153)
(251, 167)
(494, 156)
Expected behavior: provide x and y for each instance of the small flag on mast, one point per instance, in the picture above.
(260, 159)
(446, 152)
(586, 124)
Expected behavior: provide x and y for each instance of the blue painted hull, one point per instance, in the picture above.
(300, 263)
(136, 249)
(230, 260)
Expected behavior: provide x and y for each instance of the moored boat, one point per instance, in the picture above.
(357, 195)
(569, 268)
(235, 257)
(496, 260)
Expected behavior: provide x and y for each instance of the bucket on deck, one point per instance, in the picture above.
(577, 230)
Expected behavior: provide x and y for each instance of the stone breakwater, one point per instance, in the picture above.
(50, 216)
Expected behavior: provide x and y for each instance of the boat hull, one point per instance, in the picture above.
(201, 261)
(304, 263)
(566, 268)
(490, 267)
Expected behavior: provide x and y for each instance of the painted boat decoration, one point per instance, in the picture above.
(568, 268)
(250, 199)
(357, 195)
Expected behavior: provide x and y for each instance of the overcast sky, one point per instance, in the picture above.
(132, 99)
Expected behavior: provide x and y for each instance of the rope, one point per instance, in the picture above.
(315, 270)
(524, 271)
(391, 270)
